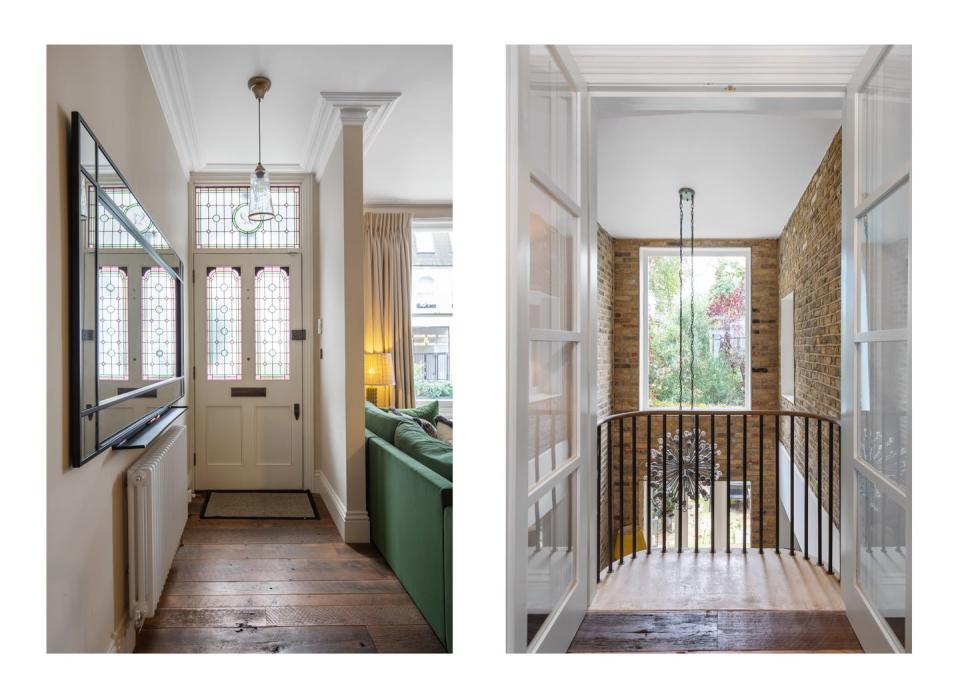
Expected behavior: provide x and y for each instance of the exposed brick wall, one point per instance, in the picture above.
(765, 382)
(605, 289)
(810, 269)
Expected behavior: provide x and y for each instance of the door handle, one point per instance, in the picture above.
(296, 412)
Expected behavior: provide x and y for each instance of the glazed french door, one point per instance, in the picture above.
(548, 361)
(249, 367)
(876, 367)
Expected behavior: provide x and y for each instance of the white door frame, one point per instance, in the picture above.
(872, 630)
(308, 189)
(564, 620)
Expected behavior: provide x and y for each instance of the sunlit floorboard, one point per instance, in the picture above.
(719, 581)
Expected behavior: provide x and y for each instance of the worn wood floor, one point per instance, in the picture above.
(281, 586)
(715, 630)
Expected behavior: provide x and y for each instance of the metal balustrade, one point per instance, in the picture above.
(694, 477)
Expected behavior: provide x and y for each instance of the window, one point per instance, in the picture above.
(223, 324)
(222, 221)
(112, 324)
(432, 312)
(158, 324)
(787, 367)
(272, 319)
(720, 359)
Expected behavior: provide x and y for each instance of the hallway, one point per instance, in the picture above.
(281, 586)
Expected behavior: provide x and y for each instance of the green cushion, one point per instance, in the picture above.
(432, 453)
(384, 424)
(429, 411)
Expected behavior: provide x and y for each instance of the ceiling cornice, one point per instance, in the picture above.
(168, 72)
(325, 124)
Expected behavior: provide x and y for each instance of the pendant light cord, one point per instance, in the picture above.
(259, 144)
(692, 349)
(680, 380)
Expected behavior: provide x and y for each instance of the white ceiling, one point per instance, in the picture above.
(409, 158)
(748, 171)
(745, 126)
(721, 65)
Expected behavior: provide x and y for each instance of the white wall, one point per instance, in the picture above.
(813, 509)
(86, 514)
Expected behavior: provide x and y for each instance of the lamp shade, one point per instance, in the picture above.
(378, 369)
(261, 207)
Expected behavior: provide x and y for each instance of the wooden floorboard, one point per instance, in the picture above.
(715, 630)
(280, 586)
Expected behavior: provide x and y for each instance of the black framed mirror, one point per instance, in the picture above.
(126, 306)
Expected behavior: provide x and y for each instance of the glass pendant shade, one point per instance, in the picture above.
(261, 207)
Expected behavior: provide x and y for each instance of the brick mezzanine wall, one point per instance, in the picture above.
(810, 268)
(605, 320)
(765, 379)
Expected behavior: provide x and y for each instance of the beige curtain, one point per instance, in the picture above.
(386, 296)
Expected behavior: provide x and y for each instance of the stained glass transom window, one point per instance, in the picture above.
(272, 316)
(112, 323)
(223, 222)
(112, 234)
(158, 324)
(224, 349)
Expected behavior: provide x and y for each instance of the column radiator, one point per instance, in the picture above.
(156, 515)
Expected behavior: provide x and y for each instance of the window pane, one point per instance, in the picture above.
(883, 408)
(881, 554)
(553, 122)
(553, 272)
(224, 349)
(719, 359)
(431, 363)
(112, 323)
(885, 119)
(272, 318)
(885, 263)
(551, 551)
(158, 297)
(222, 220)
(552, 417)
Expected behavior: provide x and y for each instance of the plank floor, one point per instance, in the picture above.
(715, 630)
(281, 586)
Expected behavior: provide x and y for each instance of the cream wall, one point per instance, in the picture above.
(86, 517)
(340, 464)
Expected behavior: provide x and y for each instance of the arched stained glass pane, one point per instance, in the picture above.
(158, 324)
(223, 222)
(272, 317)
(112, 330)
(224, 349)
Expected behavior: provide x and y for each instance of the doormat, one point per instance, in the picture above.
(298, 505)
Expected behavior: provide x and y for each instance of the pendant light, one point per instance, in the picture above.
(686, 194)
(260, 204)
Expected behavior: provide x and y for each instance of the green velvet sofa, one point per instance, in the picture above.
(411, 518)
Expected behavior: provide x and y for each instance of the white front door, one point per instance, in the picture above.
(249, 368)
(549, 352)
(876, 371)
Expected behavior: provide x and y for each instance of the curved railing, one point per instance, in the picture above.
(743, 462)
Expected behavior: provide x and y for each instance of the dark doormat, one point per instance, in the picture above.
(296, 505)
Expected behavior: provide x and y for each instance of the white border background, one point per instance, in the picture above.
(478, 32)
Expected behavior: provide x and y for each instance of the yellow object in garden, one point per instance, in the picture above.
(628, 543)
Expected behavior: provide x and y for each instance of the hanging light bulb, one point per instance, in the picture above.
(260, 205)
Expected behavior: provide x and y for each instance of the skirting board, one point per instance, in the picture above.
(124, 638)
(353, 526)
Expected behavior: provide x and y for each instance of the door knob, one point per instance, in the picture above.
(296, 411)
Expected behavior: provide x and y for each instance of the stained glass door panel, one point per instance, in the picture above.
(249, 387)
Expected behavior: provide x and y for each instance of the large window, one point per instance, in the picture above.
(718, 357)
(432, 312)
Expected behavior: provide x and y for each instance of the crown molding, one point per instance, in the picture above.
(335, 109)
(168, 71)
